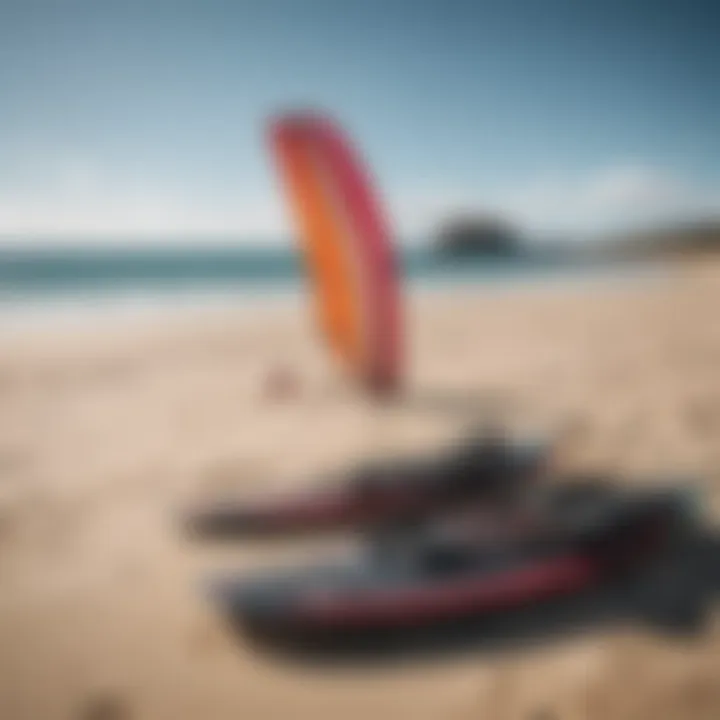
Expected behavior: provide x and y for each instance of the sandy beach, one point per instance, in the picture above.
(106, 431)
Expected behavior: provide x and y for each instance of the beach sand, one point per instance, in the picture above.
(106, 432)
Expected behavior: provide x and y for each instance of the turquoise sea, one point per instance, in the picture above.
(105, 277)
(50, 271)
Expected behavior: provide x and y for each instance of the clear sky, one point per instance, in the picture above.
(146, 117)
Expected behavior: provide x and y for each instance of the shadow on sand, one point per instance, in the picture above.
(675, 598)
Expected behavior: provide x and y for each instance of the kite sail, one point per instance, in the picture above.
(346, 245)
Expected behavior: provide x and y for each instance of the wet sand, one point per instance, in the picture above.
(105, 432)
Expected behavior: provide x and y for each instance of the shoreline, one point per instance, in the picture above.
(135, 307)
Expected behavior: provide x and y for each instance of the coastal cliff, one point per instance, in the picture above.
(477, 236)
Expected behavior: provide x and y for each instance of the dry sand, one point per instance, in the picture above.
(104, 433)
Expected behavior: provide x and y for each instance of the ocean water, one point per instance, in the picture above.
(53, 272)
(112, 280)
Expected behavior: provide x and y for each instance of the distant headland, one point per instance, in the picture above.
(466, 236)
(478, 236)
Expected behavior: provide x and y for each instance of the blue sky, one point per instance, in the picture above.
(145, 118)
